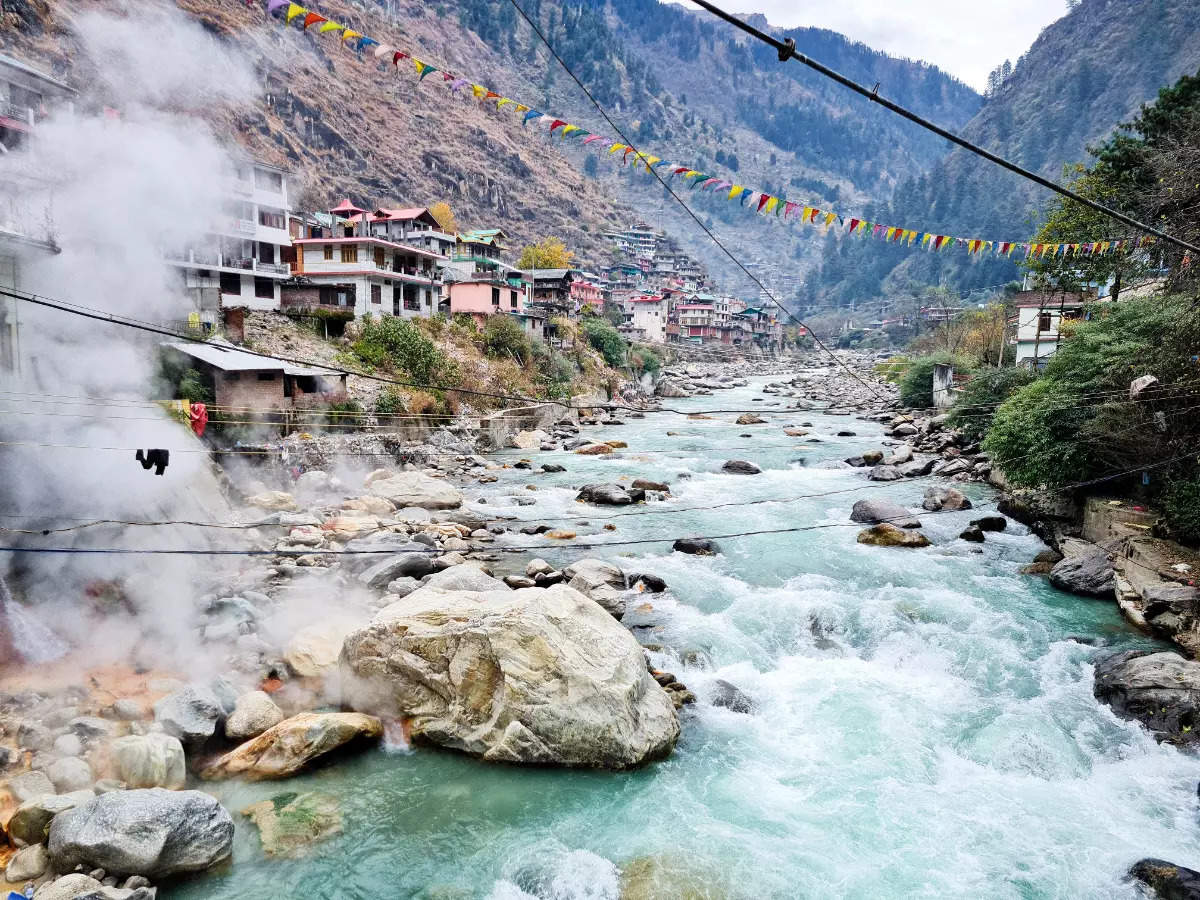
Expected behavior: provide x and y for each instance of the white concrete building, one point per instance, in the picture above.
(649, 315)
(1036, 330)
(242, 260)
(27, 95)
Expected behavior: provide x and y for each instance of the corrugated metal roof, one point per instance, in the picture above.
(228, 358)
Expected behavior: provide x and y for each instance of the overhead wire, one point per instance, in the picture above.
(787, 50)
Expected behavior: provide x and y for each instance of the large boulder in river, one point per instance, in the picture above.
(886, 535)
(666, 387)
(749, 419)
(253, 714)
(153, 832)
(610, 494)
(874, 510)
(697, 546)
(191, 714)
(884, 473)
(1085, 569)
(289, 747)
(741, 467)
(1166, 880)
(1160, 690)
(314, 649)
(417, 489)
(527, 676)
(939, 498)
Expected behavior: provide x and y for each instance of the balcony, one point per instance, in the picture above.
(243, 226)
(20, 113)
(272, 268)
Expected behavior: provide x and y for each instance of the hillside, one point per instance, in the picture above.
(680, 85)
(1085, 74)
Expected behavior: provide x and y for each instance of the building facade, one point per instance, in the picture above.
(1037, 326)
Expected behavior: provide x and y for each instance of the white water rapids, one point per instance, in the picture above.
(925, 724)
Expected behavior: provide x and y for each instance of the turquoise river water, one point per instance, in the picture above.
(925, 724)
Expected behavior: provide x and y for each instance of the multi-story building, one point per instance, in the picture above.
(241, 260)
(647, 315)
(344, 266)
(585, 293)
(27, 95)
(551, 290)
(480, 254)
(1036, 328)
(414, 227)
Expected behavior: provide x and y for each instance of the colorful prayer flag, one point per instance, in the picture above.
(294, 9)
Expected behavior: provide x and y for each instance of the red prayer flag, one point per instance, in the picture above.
(312, 19)
(762, 201)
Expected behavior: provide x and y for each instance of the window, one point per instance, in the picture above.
(327, 251)
(271, 218)
(231, 284)
(376, 293)
(267, 180)
(379, 261)
(495, 296)
(1044, 322)
(427, 299)
(266, 376)
(512, 299)
(412, 301)
(350, 253)
(264, 288)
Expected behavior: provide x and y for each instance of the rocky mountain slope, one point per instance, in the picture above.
(678, 86)
(1085, 74)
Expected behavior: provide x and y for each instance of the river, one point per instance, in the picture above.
(925, 723)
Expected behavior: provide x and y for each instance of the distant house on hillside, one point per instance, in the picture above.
(27, 96)
(1036, 328)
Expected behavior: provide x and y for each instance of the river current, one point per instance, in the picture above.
(925, 725)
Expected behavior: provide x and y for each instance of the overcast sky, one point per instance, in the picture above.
(966, 39)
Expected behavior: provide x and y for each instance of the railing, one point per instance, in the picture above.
(243, 226)
(272, 268)
(20, 113)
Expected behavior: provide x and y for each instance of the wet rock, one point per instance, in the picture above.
(417, 489)
(740, 467)
(29, 822)
(885, 473)
(696, 546)
(528, 440)
(872, 457)
(610, 494)
(904, 429)
(731, 697)
(553, 467)
(292, 745)
(27, 863)
(669, 877)
(643, 484)
(749, 419)
(538, 566)
(600, 581)
(402, 586)
(916, 468)
(938, 498)
(150, 760)
(68, 745)
(1043, 563)
(464, 577)
(874, 510)
(528, 676)
(951, 467)
(667, 387)
(516, 582)
(412, 559)
(972, 533)
(594, 449)
(652, 583)
(1160, 690)
(1085, 570)
(990, 523)
(34, 736)
(1167, 880)
(886, 535)
(69, 774)
(253, 714)
(903, 455)
(289, 823)
(190, 714)
(151, 832)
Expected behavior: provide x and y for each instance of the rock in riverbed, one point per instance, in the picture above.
(1160, 690)
(741, 467)
(599, 580)
(415, 489)
(527, 676)
(151, 832)
(289, 823)
(696, 546)
(886, 535)
(1085, 569)
(610, 494)
(290, 746)
(875, 510)
(1167, 880)
(940, 498)
(150, 760)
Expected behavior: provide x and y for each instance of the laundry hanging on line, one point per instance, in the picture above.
(157, 458)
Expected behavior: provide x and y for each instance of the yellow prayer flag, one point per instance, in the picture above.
(925, 240)
(522, 108)
(736, 191)
(478, 90)
(772, 203)
(615, 147)
(806, 213)
(829, 217)
(651, 160)
(350, 35)
(295, 9)
(330, 26)
(502, 101)
(567, 129)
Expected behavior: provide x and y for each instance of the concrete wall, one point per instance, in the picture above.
(943, 382)
(247, 390)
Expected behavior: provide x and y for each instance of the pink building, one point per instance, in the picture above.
(584, 293)
(480, 298)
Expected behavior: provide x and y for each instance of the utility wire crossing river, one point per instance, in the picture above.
(923, 722)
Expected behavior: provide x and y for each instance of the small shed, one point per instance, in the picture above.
(259, 383)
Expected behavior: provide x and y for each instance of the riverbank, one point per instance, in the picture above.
(887, 700)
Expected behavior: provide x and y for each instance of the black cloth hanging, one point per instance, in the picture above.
(157, 458)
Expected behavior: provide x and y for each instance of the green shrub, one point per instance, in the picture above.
(893, 369)
(344, 414)
(1038, 436)
(390, 402)
(975, 407)
(396, 343)
(1181, 508)
(193, 387)
(643, 359)
(604, 338)
(916, 385)
(503, 337)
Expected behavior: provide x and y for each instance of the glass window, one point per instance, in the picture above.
(495, 296)
(264, 288)
(349, 253)
(512, 299)
(1044, 322)
(328, 251)
(376, 293)
(379, 257)
(268, 180)
(266, 376)
(230, 283)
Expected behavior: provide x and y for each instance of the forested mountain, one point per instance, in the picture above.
(1085, 74)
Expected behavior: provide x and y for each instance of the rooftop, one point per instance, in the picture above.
(228, 358)
(8, 61)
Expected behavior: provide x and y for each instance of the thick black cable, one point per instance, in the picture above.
(787, 50)
(708, 231)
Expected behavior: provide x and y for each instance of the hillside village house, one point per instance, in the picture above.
(1036, 328)
(241, 261)
(346, 267)
(481, 254)
(255, 383)
(27, 95)
(551, 291)
(414, 227)
(646, 318)
(584, 293)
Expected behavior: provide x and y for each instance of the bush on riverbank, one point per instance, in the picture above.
(604, 338)
(916, 384)
(976, 406)
(391, 342)
(1077, 422)
(1181, 508)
